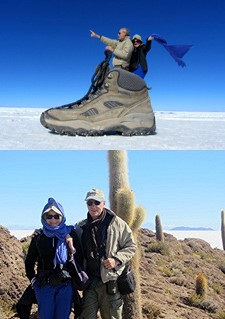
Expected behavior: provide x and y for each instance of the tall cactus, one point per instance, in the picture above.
(118, 174)
(158, 228)
(223, 227)
(122, 202)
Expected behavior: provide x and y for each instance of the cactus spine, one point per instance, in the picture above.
(124, 199)
(122, 202)
(139, 217)
(158, 228)
(201, 288)
(223, 228)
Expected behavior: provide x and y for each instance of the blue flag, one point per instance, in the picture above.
(177, 51)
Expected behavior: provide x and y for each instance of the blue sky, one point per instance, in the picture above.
(47, 56)
(186, 188)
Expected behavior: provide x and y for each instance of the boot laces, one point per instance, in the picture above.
(97, 81)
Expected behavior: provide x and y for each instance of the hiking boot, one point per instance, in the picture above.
(121, 105)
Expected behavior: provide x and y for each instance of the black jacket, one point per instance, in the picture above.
(139, 57)
(42, 250)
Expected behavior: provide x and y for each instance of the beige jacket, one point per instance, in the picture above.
(120, 245)
(122, 50)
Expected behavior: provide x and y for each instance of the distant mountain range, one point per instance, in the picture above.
(191, 228)
(152, 227)
(19, 227)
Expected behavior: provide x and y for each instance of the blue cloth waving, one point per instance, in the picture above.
(59, 231)
(177, 51)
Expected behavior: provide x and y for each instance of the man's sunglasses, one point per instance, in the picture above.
(90, 202)
(56, 216)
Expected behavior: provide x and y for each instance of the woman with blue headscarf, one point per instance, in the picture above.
(51, 282)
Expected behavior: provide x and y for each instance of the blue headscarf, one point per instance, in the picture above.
(177, 51)
(59, 231)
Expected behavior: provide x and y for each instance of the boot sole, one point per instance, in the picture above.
(119, 129)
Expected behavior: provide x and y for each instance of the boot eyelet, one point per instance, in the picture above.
(106, 85)
(110, 76)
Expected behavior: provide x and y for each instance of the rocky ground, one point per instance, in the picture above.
(168, 277)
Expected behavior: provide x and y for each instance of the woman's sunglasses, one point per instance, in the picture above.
(56, 216)
(90, 202)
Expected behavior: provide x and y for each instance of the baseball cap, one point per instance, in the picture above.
(95, 194)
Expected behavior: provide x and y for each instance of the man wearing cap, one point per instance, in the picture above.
(138, 62)
(107, 244)
(122, 48)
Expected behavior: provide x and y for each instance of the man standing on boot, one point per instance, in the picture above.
(122, 48)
